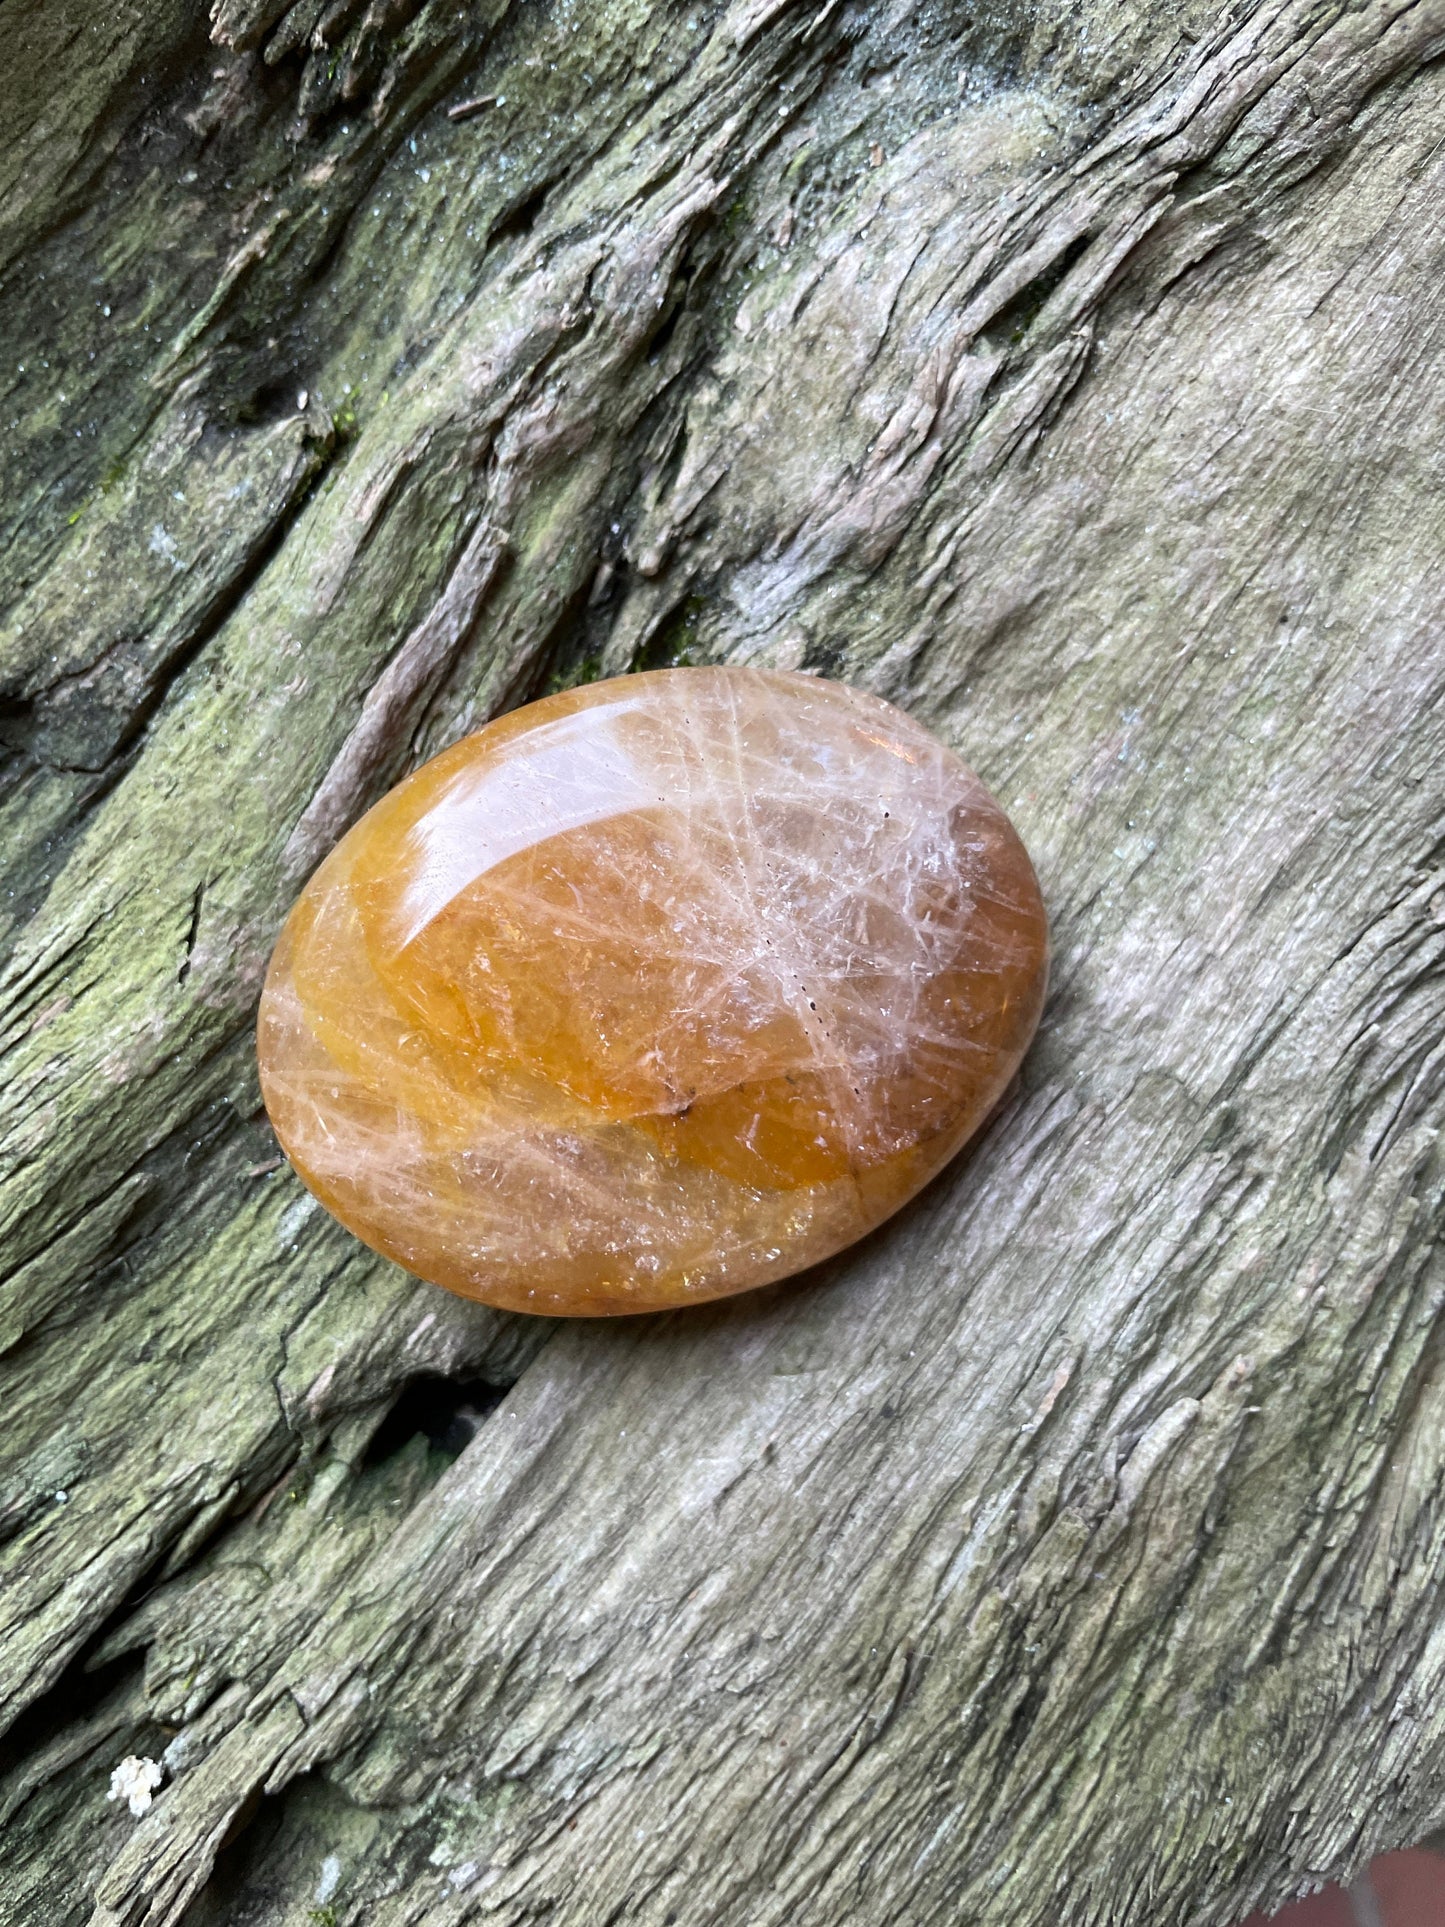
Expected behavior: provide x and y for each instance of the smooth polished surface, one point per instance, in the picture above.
(653, 991)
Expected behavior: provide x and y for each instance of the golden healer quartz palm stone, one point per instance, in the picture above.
(653, 991)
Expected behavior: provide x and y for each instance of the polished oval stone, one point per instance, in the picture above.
(653, 991)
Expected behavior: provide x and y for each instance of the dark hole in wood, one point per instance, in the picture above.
(522, 218)
(446, 1412)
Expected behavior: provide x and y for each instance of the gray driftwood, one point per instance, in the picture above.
(1072, 374)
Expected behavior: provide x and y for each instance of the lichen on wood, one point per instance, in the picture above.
(1072, 1550)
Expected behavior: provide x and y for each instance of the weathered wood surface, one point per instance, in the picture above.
(1073, 1551)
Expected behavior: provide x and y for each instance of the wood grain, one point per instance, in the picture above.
(1073, 1549)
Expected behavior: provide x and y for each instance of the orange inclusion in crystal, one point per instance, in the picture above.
(655, 990)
